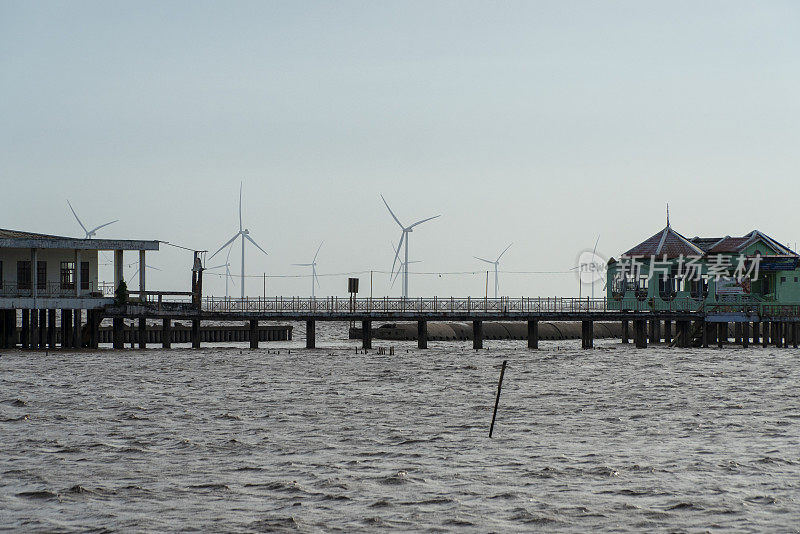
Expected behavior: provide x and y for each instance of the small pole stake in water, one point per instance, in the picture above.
(497, 400)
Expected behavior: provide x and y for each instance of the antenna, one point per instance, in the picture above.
(667, 214)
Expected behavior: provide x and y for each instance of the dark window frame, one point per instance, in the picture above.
(24, 280)
(41, 275)
(67, 275)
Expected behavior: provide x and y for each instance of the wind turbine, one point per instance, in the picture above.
(228, 275)
(496, 264)
(404, 237)
(402, 263)
(244, 233)
(89, 233)
(313, 266)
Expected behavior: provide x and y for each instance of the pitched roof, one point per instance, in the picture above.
(667, 243)
(18, 239)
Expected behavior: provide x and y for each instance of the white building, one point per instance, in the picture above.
(48, 272)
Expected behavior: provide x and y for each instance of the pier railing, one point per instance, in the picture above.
(438, 305)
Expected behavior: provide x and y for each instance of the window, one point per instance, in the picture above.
(1, 272)
(67, 277)
(41, 275)
(783, 279)
(85, 275)
(24, 274)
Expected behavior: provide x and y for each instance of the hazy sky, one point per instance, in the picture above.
(544, 124)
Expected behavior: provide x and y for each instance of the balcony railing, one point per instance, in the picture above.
(51, 289)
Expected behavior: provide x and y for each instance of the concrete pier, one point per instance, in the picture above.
(366, 334)
(533, 334)
(311, 334)
(587, 335)
(51, 329)
(640, 333)
(142, 334)
(625, 331)
(253, 334)
(166, 333)
(746, 334)
(477, 334)
(196, 334)
(77, 334)
(422, 334)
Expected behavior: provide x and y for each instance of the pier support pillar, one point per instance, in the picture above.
(93, 320)
(587, 334)
(366, 334)
(34, 335)
(722, 334)
(118, 333)
(51, 329)
(737, 333)
(253, 334)
(765, 334)
(76, 328)
(785, 334)
(533, 334)
(652, 331)
(3, 326)
(42, 329)
(477, 334)
(311, 334)
(746, 334)
(667, 331)
(11, 329)
(66, 329)
(756, 333)
(166, 333)
(142, 333)
(24, 335)
(795, 334)
(706, 334)
(640, 333)
(625, 331)
(422, 334)
(682, 333)
(196, 334)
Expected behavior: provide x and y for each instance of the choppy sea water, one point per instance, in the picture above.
(239, 440)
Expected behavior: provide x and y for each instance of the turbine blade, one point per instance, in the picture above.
(103, 225)
(246, 236)
(397, 252)
(215, 267)
(76, 217)
(240, 206)
(302, 264)
(315, 255)
(317, 279)
(504, 251)
(390, 211)
(151, 267)
(231, 240)
(422, 221)
(595, 245)
(487, 261)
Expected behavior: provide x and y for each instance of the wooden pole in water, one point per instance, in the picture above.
(497, 400)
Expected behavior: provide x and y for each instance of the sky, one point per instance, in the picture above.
(542, 124)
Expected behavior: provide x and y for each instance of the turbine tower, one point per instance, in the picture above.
(496, 264)
(244, 233)
(89, 233)
(227, 266)
(402, 263)
(404, 237)
(313, 266)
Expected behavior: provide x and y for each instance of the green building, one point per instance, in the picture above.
(671, 272)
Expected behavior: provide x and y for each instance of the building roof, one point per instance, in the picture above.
(19, 239)
(667, 243)
(672, 244)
